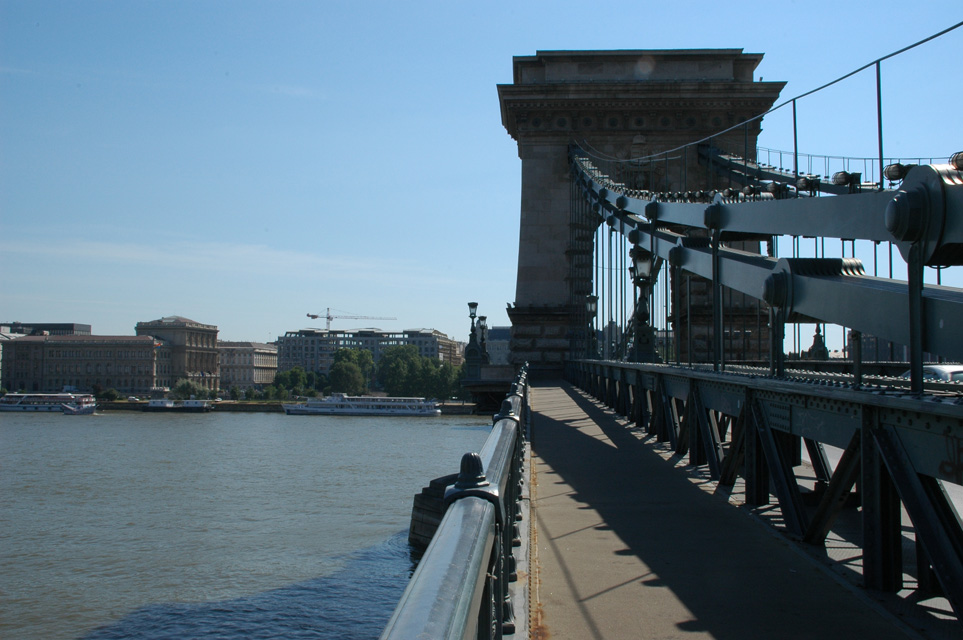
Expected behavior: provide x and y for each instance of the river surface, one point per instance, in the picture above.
(226, 525)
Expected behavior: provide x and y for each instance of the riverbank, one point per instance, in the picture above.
(273, 406)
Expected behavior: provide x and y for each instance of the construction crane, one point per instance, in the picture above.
(328, 318)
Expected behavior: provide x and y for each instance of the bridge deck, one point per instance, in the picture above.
(626, 546)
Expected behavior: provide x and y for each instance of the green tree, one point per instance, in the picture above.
(314, 381)
(394, 374)
(235, 393)
(402, 371)
(445, 382)
(346, 377)
(295, 378)
(361, 357)
(185, 389)
(110, 395)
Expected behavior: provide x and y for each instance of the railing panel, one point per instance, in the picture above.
(460, 588)
(919, 437)
(445, 593)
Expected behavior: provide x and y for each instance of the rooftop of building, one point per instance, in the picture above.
(365, 331)
(85, 339)
(174, 321)
(18, 327)
(228, 344)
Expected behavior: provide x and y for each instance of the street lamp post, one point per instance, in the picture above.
(483, 338)
(644, 270)
(591, 309)
(472, 310)
(476, 354)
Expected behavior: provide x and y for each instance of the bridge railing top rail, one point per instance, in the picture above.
(459, 589)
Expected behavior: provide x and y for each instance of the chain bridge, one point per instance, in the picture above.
(780, 324)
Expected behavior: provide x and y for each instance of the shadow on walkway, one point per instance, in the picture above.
(629, 547)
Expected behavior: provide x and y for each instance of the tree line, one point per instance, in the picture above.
(402, 371)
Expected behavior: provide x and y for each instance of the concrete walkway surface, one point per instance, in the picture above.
(626, 546)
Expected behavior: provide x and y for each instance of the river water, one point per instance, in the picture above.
(226, 525)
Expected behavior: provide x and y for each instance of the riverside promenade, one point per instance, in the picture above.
(626, 545)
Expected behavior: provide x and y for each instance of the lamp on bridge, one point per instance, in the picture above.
(644, 269)
(642, 264)
(475, 353)
(591, 310)
(472, 310)
(483, 337)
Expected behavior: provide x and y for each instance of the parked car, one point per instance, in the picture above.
(941, 373)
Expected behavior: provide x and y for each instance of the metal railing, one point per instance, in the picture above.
(461, 586)
(754, 426)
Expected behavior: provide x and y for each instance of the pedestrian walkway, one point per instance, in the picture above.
(626, 546)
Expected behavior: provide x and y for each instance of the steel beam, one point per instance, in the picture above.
(936, 522)
(780, 470)
(837, 492)
(926, 213)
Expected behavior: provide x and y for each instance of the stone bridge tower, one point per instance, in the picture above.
(625, 104)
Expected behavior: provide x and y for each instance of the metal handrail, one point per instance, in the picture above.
(444, 596)
(460, 588)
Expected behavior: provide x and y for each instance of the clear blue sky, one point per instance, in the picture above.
(245, 163)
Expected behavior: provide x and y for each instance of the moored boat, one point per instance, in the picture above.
(343, 405)
(183, 406)
(82, 405)
(47, 402)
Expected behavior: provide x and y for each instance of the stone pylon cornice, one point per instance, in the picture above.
(633, 91)
(636, 107)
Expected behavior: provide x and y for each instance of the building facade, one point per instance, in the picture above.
(497, 340)
(247, 365)
(46, 328)
(50, 364)
(193, 347)
(314, 349)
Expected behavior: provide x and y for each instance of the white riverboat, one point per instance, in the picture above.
(81, 405)
(342, 405)
(182, 406)
(68, 403)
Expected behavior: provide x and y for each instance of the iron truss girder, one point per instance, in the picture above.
(900, 446)
(927, 209)
(930, 426)
(748, 172)
(926, 213)
(929, 509)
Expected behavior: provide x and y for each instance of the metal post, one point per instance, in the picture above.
(676, 290)
(914, 276)
(717, 364)
(777, 332)
(879, 123)
(795, 144)
(608, 324)
(881, 513)
(688, 318)
(857, 347)
(685, 168)
(667, 172)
